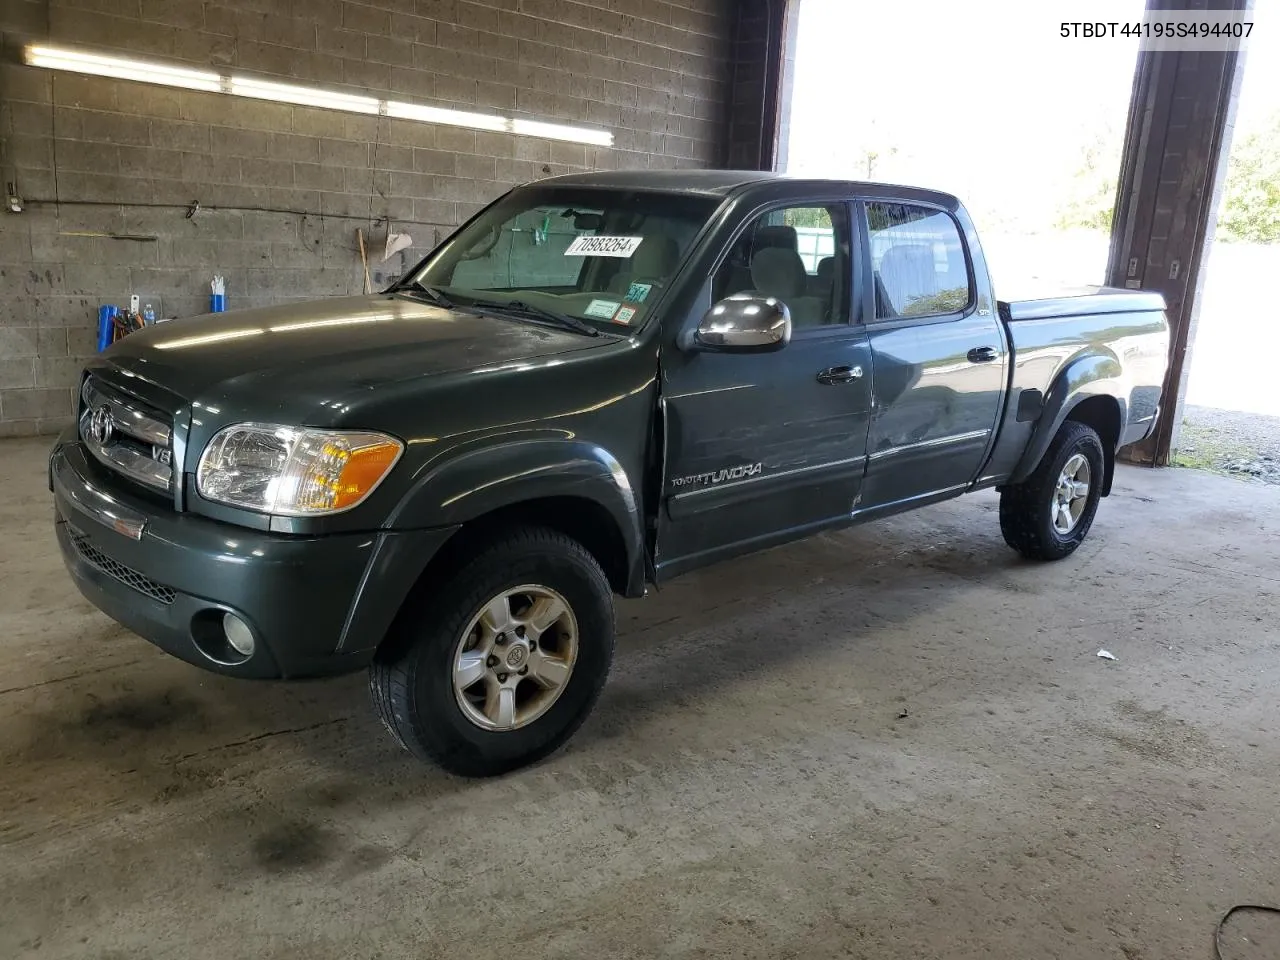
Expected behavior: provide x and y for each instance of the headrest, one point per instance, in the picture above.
(778, 273)
(654, 258)
(777, 236)
(826, 269)
(912, 256)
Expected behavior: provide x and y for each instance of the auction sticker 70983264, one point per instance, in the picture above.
(603, 247)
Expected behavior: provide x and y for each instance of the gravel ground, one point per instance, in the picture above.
(1230, 442)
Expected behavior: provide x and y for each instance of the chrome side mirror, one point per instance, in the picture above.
(745, 323)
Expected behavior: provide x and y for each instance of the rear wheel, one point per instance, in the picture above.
(1049, 514)
(500, 665)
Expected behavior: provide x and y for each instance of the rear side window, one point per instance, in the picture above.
(918, 261)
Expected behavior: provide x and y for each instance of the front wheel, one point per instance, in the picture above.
(500, 665)
(1049, 514)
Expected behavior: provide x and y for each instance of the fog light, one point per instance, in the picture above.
(238, 634)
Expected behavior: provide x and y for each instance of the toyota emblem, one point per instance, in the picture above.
(100, 426)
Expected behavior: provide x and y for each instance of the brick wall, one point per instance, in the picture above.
(283, 188)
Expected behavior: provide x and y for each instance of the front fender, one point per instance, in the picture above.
(1090, 375)
(475, 482)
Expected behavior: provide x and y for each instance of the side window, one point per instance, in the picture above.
(918, 261)
(801, 256)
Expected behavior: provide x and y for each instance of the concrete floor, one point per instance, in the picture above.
(894, 742)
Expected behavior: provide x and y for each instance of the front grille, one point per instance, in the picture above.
(117, 570)
(126, 435)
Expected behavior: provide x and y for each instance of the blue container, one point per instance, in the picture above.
(217, 303)
(106, 326)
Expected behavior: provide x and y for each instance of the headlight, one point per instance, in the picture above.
(294, 471)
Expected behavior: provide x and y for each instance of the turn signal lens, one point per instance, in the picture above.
(362, 470)
(294, 471)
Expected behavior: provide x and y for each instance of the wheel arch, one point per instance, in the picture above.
(572, 486)
(580, 518)
(1102, 413)
(1085, 390)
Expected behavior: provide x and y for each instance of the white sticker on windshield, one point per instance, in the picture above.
(603, 247)
(604, 309)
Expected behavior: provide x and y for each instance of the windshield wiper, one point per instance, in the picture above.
(431, 293)
(521, 308)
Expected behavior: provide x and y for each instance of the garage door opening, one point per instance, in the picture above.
(1028, 130)
(1029, 138)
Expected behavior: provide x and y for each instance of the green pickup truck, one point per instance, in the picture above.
(598, 383)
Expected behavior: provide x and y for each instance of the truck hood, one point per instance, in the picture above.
(301, 356)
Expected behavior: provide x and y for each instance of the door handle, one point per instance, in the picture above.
(845, 374)
(982, 354)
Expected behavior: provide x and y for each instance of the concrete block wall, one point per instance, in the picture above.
(283, 189)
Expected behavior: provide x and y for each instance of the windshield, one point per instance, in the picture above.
(603, 256)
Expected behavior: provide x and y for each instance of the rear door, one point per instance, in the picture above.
(762, 448)
(938, 351)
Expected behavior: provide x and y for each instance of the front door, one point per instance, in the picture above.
(939, 357)
(762, 448)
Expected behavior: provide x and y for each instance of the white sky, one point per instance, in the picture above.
(984, 99)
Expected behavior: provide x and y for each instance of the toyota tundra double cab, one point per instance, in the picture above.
(598, 383)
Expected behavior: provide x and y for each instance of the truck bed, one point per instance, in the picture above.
(1115, 341)
(1082, 301)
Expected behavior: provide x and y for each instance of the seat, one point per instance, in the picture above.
(820, 285)
(909, 274)
(767, 237)
(653, 262)
(779, 273)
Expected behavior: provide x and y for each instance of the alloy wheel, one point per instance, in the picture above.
(514, 659)
(1071, 494)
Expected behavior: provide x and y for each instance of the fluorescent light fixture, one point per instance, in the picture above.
(123, 68)
(75, 61)
(451, 118)
(303, 96)
(558, 131)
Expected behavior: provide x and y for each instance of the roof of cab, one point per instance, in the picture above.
(719, 183)
(712, 182)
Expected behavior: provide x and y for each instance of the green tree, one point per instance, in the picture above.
(807, 217)
(1090, 197)
(1251, 201)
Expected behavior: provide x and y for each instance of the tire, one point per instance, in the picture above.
(412, 678)
(1030, 519)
